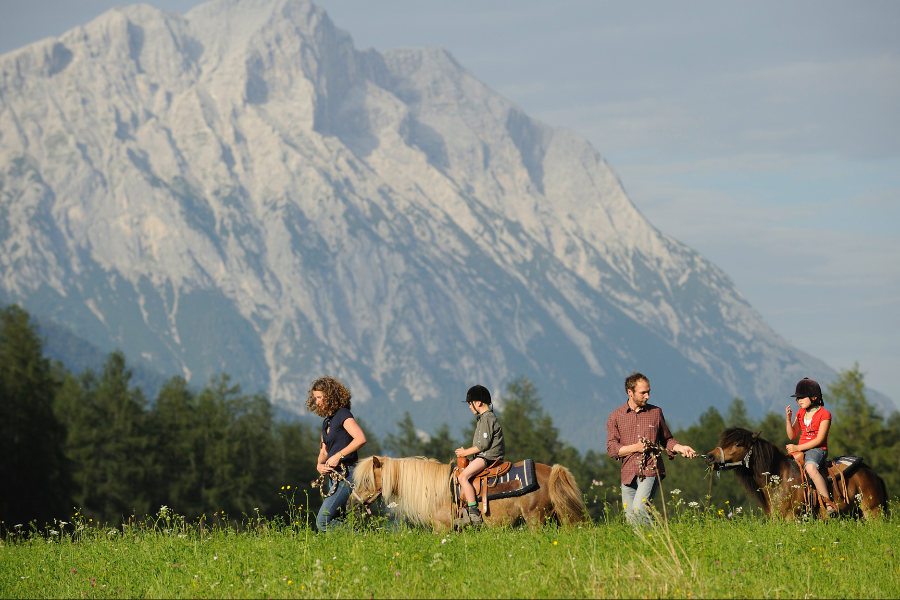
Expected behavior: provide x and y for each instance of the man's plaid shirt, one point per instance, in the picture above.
(625, 426)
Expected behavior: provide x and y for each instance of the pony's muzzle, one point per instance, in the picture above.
(713, 457)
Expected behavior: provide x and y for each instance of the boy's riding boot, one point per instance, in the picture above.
(475, 516)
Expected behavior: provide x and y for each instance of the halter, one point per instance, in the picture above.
(745, 462)
(379, 482)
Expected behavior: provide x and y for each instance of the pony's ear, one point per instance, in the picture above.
(376, 463)
(756, 435)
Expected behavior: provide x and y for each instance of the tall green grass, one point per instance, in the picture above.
(697, 552)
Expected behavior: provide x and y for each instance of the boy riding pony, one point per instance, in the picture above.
(487, 446)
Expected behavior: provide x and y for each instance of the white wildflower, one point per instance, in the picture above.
(675, 492)
(54, 532)
(739, 509)
(693, 504)
(393, 505)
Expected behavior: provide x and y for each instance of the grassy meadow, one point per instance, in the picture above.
(698, 552)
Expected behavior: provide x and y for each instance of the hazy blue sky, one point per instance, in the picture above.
(766, 135)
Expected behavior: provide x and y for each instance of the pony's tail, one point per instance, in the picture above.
(565, 496)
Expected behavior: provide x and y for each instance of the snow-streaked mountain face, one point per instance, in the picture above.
(240, 189)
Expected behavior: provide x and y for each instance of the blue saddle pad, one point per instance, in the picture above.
(518, 481)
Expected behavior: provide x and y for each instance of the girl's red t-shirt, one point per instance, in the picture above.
(808, 434)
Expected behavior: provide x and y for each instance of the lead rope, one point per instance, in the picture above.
(651, 451)
(336, 477)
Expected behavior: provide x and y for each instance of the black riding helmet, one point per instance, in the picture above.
(809, 388)
(478, 393)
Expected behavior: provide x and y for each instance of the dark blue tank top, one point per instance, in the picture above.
(336, 437)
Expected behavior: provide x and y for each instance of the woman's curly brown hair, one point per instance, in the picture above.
(336, 396)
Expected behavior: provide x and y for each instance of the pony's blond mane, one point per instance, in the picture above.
(417, 484)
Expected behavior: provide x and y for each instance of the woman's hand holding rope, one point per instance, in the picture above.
(334, 475)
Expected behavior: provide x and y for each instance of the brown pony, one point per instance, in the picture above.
(774, 480)
(420, 489)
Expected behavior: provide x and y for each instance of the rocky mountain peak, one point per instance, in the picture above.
(239, 189)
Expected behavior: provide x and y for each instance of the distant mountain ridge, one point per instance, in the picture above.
(239, 189)
(78, 355)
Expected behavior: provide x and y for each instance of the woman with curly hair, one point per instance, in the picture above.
(341, 438)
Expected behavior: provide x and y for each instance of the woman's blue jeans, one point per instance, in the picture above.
(635, 497)
(332, 507)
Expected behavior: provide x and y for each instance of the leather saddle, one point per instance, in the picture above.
(485, 479)
(835, 473)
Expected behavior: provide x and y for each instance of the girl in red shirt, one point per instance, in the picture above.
(812, 424)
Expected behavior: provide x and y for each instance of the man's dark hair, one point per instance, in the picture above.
(632, 380)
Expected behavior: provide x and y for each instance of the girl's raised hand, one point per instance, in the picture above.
(788, 412)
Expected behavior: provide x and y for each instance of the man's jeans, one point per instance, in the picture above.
(635, 497)
(327, 519)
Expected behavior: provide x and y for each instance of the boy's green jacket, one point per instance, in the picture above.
(489, 436)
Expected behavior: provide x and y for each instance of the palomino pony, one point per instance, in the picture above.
(773, 479)
(420, 488)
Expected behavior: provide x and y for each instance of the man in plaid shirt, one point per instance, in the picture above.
(626, 425)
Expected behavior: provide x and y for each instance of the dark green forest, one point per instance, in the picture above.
(92, 440)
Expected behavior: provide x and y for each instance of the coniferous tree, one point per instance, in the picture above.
(296, 450)
(108, 441)
(528, 430)
(33, 469)
(235, 434)
(771, 427)
(174, 423)
(858, 428)
(406, 442)
(737, 414)
(373, 444)
(441, 445)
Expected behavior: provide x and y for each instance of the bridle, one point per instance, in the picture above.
(724, 466)
(367, 502)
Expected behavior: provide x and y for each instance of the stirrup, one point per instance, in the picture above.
(830, 507)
